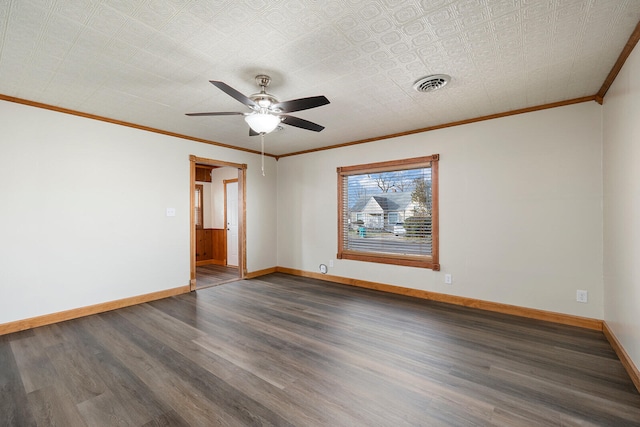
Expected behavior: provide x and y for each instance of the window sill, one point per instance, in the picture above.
(408, 261)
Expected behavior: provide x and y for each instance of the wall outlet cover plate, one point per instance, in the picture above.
(582, 296)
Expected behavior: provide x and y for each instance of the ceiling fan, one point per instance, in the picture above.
(267, 112)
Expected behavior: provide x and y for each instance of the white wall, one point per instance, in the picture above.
(520, 205)
(621, 136)
(520, 209)
(77, 227)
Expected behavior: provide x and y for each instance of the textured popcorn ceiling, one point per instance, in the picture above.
(149, 61)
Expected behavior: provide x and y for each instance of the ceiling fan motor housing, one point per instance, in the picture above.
(263, 99)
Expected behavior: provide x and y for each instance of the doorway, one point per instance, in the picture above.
(218, 218)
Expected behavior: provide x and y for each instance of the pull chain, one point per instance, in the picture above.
(262, 152)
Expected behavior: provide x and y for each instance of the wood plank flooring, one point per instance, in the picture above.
(214, 275)
(289, 351)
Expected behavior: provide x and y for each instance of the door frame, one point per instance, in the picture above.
(242, 213)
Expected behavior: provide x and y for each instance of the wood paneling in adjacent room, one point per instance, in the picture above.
(210, 246)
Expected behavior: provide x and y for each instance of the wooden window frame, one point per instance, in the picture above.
(199, 215)
(422, 261)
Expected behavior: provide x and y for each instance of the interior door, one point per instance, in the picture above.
(231, 202)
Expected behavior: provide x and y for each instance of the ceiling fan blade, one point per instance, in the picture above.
(219, 113)
(301, 104)
(301, 123)
(233, 93)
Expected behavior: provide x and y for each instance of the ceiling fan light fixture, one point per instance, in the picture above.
(262, 122)
(267, 111)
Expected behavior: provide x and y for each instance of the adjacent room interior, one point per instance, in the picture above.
(193, 270)
(216, 224)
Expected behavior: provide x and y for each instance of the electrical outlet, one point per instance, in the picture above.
(447, 279)
(331, 263)
(582, 296)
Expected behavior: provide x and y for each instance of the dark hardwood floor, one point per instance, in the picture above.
(214, 275)
(282, 350)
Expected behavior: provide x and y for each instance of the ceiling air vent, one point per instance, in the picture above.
(431, 83)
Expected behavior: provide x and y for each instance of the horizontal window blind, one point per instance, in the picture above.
(387, 210)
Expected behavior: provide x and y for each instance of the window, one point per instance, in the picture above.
(388, 212)
(198, 205)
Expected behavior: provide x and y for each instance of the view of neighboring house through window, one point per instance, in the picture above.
(388, 212)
